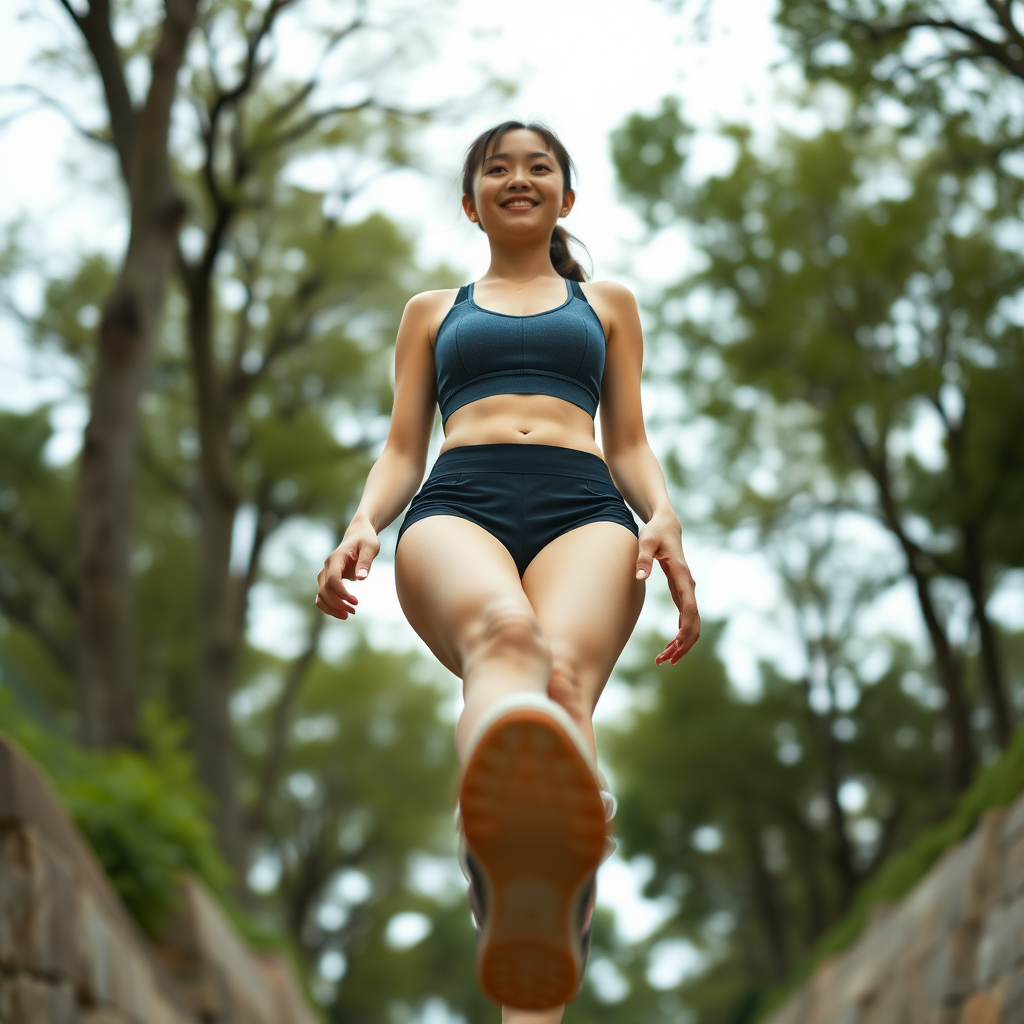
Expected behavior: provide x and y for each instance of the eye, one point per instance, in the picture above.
(540, 167)
(493, 168)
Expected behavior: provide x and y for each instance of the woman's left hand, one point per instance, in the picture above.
(661, 540)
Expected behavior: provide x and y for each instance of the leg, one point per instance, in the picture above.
(584, 591)
(529, 1017)
(587, 599)
(461, 592)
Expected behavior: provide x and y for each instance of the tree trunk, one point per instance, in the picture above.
(991, 667)
(821, 727)
(277, 748)
(947, 666)
(764, 894)
(108, 692)
(221, 598)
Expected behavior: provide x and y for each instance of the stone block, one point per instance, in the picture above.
(1013, 823)
(1013, 1000)
(126, 977)
(981, 1008)
(290, 1006)
(97, 950)
(27, 798)
(25, 999)
(37, 905)
(1011, 871)
(204, 953)
(1001, 945)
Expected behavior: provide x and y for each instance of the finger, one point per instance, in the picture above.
(335, 586)
(682, 642)
(366, 554)
(645, 557)
(337, 609)
(331, 598)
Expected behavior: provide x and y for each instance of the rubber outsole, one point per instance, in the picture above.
(534, 820)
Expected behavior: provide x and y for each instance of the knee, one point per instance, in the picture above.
(567, 686)
(509, 630)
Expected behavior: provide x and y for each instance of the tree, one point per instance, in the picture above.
(934, 58)
(732, 798)
(127, 329)
(249, 125)
(850, 317)
(302, 276)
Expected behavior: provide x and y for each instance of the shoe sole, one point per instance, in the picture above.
(534, 819)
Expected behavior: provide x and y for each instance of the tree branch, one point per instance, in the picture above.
(279, 723)
(1001, 9)
(946, 664)
(99, 38)
(984, 46)
(250, 73)
(45, 100)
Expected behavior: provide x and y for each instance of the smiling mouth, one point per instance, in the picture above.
(518, 204)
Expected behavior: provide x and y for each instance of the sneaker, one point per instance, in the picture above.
(534, 825)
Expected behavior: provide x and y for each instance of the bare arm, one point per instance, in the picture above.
(633, 465)
(393, 480)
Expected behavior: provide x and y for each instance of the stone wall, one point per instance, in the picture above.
(950, 952)
(71, 954)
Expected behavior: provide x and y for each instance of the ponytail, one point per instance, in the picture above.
(561, 258)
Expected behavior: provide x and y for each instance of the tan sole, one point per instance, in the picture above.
(534, 820)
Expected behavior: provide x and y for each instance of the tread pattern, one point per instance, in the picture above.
(534, 820)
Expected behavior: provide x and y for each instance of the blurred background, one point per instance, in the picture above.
(212, 215)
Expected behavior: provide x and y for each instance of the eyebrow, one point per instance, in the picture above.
(505, 156)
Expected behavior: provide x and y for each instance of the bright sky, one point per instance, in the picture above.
(580, 65)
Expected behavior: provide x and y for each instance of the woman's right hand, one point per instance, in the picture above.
(350, 560)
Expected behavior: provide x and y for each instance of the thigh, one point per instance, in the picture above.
(586, 597)
(447, 571)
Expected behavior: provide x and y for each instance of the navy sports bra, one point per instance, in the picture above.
(559, 352)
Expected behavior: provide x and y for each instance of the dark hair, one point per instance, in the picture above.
(561, 258)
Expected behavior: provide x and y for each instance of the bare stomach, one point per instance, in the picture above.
(521, 419)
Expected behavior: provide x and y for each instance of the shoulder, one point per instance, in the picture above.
(615, 306)
(610, 290)
(429, 303)
(426, 310)
(615, 297)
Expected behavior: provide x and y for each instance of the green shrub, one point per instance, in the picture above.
(142, 813)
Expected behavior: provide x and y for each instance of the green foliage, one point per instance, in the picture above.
(37, 589)
(143, 813)
(996, 786)
(850, 292)
(728, 797)
(145, 817)
(951, 68)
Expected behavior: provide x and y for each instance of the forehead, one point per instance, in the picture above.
(518, 140)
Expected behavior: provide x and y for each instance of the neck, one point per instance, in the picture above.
(520, 263)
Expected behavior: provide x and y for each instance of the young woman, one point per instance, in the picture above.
(518, 562)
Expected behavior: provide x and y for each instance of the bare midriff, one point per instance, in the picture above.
(521, 419)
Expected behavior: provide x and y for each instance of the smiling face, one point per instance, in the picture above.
(519, 188)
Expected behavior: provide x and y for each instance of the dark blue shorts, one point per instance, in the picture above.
(525, 495)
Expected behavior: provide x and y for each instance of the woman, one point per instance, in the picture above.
(518, 562)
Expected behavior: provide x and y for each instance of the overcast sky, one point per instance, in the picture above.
(580, 65)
